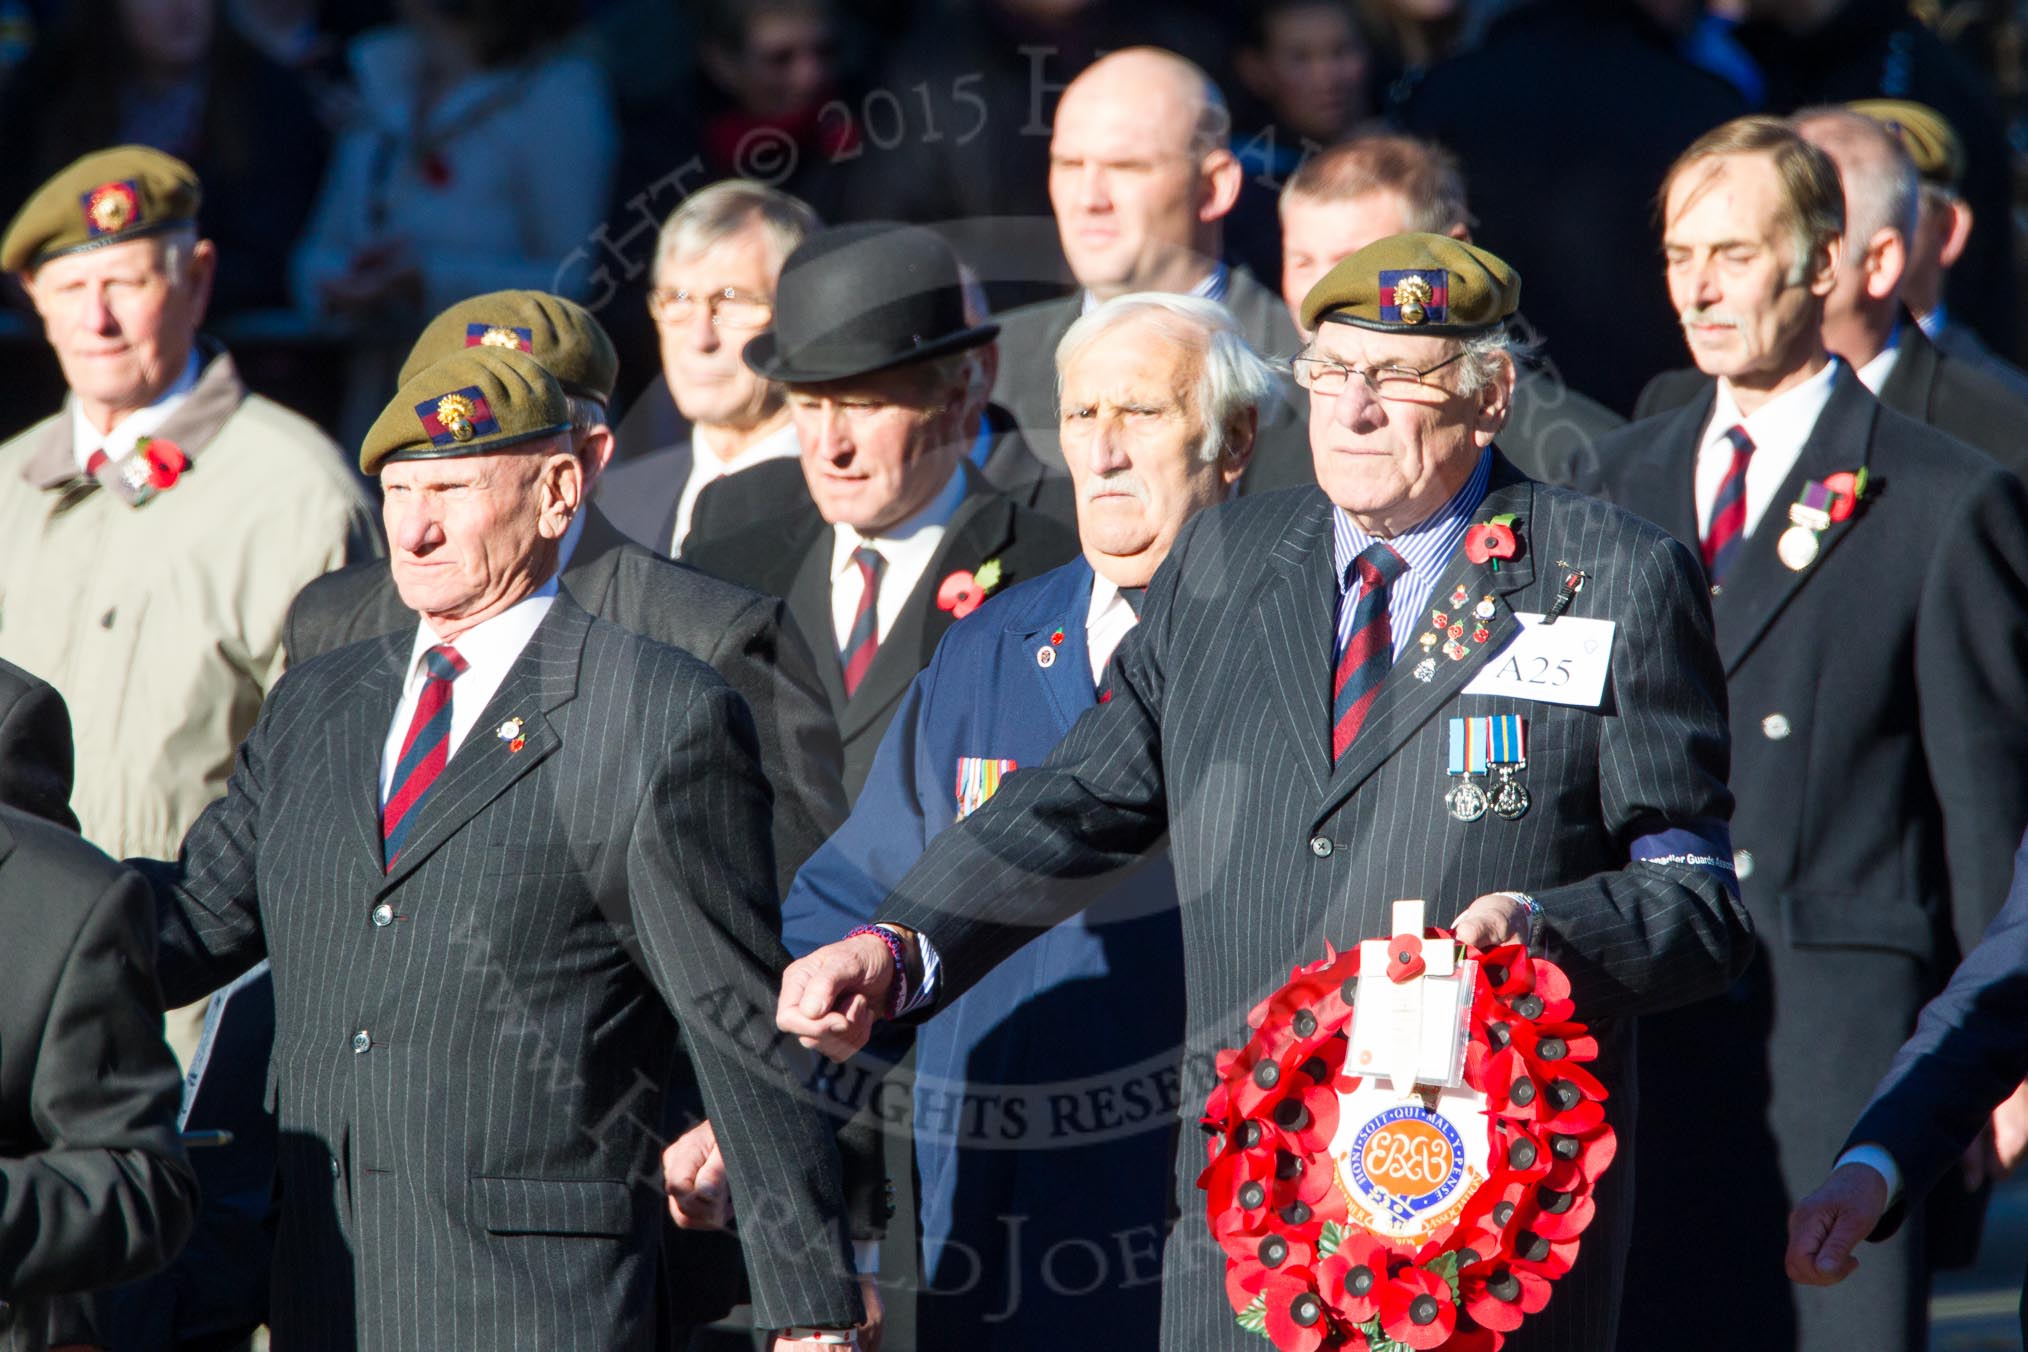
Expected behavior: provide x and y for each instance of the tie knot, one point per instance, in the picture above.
(444, 662)
(1742, 444)
(1377, 566)
(869, 561)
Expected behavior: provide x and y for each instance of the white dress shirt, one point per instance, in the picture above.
(1778, 428)
(907, 550)
(489, 648)
(1874, 373)
(707, 469)
(1106, 622)
(142, 422)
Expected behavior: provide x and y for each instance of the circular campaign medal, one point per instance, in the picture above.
(1797, 548)
(1510, 797)
(1467, 801)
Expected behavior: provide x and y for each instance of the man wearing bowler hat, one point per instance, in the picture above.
(888, 533)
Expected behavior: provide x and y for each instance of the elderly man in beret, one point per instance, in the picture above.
(497, 861)
(1284, 713)
(154, 531)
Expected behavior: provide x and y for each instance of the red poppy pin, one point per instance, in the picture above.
(166, 461)
(962, 592)
(1492, 540)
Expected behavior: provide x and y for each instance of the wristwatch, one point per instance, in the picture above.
(1534, 909)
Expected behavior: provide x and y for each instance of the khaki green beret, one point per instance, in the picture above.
(470, 403)
(108, 197)
(1938, 154)
(560, 334)
(1421, 284)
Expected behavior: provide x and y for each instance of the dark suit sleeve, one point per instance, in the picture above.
(1054, 837)
(1667, 928)
(205, 901)
(36, 767)
(763, 657)
(1969, 1051)
(1971, 678)
(112, 1198)
(705, 910)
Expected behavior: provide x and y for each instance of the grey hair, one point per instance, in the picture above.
(585, 414)
(1883, 191)
(714, 214)
(1485, 355)
(1231, 379)
(175, 248)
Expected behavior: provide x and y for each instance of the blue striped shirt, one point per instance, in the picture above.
(1425, 548)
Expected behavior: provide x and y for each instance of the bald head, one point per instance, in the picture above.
(1139, 173)
(1881, 191)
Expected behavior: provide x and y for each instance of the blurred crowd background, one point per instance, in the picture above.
(366, 162)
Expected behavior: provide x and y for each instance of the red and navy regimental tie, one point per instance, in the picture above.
(864, 640)
(1728, 509)
(423, 751)
(1369, 649)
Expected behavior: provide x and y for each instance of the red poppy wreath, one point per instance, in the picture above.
(1356, 1218)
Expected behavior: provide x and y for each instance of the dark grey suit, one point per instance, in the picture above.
(1961, 342)
(470, 1089)
(1217, 734)
(1880, 719)
(94, 1188)
(1026, 385)
(36, 757)
(1926, 384)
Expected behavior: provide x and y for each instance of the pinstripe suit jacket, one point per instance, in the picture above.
(469, 1096)
(1218, 732)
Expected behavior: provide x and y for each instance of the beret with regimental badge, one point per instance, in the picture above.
(1938, 154)
(1417, 284)
(559, 333)
(473, 402)
(107, 197)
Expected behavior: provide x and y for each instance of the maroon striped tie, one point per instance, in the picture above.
(1728, 508)
(423, 751)
(1369, 648)
(864, 639)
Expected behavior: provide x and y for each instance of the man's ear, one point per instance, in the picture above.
(1496, 402)
(1886, 263)
(559, 493)
(1960, 233)
(595, 448)
(1223, 176)
(1237, 453)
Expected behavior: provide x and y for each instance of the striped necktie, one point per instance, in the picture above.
(1369, 648)
(1728, 508)
(423, 751)
(864, 639)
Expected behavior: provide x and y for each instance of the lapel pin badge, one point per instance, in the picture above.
(1045, 657)
(510, 733)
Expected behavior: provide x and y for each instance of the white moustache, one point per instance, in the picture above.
(1126, 481)
(1720, 317)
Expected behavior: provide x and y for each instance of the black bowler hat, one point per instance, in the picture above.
(856, 299)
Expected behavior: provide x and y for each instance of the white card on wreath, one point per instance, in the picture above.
(1411, 1032)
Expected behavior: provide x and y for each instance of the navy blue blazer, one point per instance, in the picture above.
(1968, 1052)
(1046, 1095)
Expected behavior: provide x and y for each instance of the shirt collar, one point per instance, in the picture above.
(937, 515)
(1874, 373)
(1936, 321)
(775, 445)
(1427, 544)
(142, 422)
(1784, 420)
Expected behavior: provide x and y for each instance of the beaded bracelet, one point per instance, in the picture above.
(893, 942)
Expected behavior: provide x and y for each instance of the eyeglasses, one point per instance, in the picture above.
(1320, 375)
(729, 309)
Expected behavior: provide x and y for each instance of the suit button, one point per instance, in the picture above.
(1775, 727)
(1320, 846)
(1742, 863)
(1717, 589)
(334, 1166)
(383, 916)
(362, 1042)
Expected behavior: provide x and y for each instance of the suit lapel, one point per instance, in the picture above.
(809, 601)
(1661, 485)
(981, 526)
(543, 678)
(1296, 616)
(1064, 605)
(1404, 703)
(357, 734)
(1760, 584)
